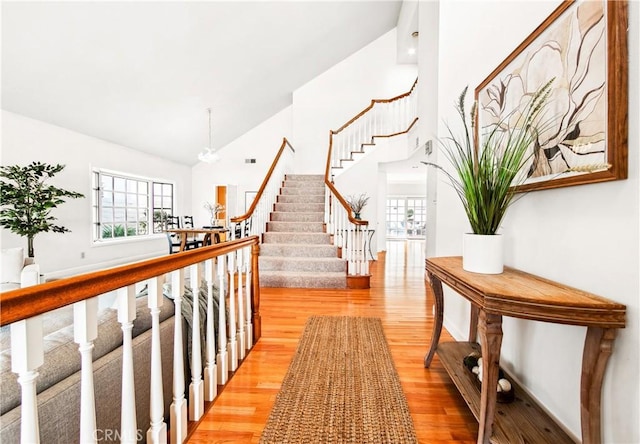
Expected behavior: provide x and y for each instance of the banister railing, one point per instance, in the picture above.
(225, 279)
(382, 118)
(254, 221)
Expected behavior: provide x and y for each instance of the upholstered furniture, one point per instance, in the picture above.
(16, 270)
(58, 384)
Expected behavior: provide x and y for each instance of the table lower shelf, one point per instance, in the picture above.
(521, 421)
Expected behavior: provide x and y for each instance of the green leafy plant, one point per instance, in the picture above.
(109, 231)
(488, 173)
(26, 200)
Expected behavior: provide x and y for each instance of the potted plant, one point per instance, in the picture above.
(487, 172)
(26, 200)
(357, 203)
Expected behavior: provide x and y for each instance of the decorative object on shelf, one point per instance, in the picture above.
(488, 172)
(215, 210)
(584, 45)
(26, 200)
(473, 363)
(209, 155)
(357, 203)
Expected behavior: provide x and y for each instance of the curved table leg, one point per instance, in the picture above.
(598, 345)
(490, 332)
(436, 285)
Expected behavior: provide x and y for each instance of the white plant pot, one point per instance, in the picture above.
(482, 253)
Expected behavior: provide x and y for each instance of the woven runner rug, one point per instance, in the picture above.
(341, 387)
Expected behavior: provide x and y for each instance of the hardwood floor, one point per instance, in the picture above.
(398, 296)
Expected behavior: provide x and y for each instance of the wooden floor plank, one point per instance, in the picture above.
(398, 296)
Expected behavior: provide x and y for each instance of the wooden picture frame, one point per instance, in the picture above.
(583, 44)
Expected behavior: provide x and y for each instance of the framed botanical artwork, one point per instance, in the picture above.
(582, 45)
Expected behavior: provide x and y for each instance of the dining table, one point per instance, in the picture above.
(209, 233)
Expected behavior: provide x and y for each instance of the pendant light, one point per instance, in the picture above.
(209, 155)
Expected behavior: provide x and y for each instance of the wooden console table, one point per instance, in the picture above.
(521, 295)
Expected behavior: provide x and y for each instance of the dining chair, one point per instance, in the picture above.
(174, 240)
(192, 242)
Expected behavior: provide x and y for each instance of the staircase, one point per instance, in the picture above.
(296, 252)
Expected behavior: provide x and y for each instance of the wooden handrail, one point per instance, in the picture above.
(327, 179)
(31, 301)
(373, 102)
(256, 199)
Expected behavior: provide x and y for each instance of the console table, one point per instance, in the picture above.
(522, 295)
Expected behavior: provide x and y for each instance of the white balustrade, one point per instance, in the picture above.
(232, 346)
(210, 376)
(178, 409)
(157, 432)
(85, 331)
(126, 316)
(222, 360)
(234, 269)
(196, 388)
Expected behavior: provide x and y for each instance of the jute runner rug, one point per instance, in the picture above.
(341, 387)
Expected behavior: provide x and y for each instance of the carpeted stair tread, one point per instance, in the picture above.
(306, 227)
(315, 264)
(298, 250)
(297, 216)
(296, 238)
(302, 279)
(302, 207)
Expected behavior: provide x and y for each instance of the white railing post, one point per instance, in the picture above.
(85, 331)
(126, 316)
(241, 332)
(232, 346)
(178, 409)
(248, 322)
(26, 356)
(196, 388)
(210, 377)
(222, 360)
(157, 433)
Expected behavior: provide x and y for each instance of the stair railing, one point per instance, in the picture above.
(382, 118)
(209, 270)
(254, 221)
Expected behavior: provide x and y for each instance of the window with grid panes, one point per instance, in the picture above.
(123, 205)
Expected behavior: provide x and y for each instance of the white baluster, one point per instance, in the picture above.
(126, 316)
(26, 356)
(241, 332)
(196, 388)
(178, 408)
(232, 346)
(248, 304)
(85, 331)
(157, 432)
(222, 325)
(210, 376)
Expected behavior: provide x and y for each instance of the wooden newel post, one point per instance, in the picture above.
(255, 292)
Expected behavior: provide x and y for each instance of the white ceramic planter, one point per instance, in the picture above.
(482, 253)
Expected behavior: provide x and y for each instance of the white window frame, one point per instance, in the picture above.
(98, 220)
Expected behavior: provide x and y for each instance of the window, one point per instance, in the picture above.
(406, 217)
(123, 205)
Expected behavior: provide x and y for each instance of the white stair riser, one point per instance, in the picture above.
(301, 198)
(317, 265)
(295, 250)
(296, 238)
(301, 207)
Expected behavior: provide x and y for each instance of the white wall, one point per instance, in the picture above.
(334, 97)
(584, 236)
(25, 140)
(260, 143)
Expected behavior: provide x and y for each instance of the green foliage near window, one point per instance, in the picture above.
(488, 173)
(26, 200)
(111, 231)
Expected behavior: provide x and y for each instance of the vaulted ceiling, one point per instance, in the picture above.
(142, 74)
